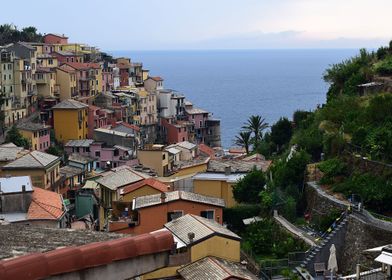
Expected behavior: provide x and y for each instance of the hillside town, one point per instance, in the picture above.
(107, 174)
(99, 145)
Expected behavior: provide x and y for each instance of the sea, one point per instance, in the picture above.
(235, 84)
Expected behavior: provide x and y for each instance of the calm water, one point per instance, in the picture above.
(236, 84)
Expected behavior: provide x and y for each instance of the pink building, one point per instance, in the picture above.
(65, 57)
(107, 80)
(104, 156)
(98, 118)
(110, 157)
(55, 39)
(175, 132)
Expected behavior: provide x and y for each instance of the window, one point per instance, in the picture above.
(9, 66)
(97, 153)
(174, 215)
(209, 214)
(164, 156)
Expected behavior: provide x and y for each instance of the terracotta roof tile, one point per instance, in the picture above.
(146, 182)
(156, 79)
(45, 205)
(83, 66)
(75, 258)
(207, 150)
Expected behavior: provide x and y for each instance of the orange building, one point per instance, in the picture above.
(151, 212)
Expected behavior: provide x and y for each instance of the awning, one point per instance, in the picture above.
(385, 257)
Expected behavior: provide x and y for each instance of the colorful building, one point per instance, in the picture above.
(110, 183)
(217, 185)
(43, 168)
(38, 134)
(24, 204)
(89, 80)
(156, 158)
(70, 120)
(134, 217)
(197, 238)
(153, 83)
(52, 38)
(66, 79)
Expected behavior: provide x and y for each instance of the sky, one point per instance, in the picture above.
(208, 24)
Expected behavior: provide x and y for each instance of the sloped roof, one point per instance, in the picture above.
(10, 152)
(154, 183)
(207, 150)
(70, 104)
(14, 184)
(155, 199)
(79, 143)
(202, 228)
(46, 205)
(70, 171)
(80, 158)
(34, 159)
(156, 79)
(83, 66)
(186, 145)
(127, 125)
(31, 126)
(215, 268)
(120, 177)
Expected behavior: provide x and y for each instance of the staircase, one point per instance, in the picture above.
(320, 253)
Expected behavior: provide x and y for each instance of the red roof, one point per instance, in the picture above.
(66, 68)
(146, 182)
(83, 66)
(56, 35)
(45, 205)
(157, 78)
(207, 150)
(71, 259)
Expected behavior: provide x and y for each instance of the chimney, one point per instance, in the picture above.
(191, 236)
(227, 170)
(163, 197)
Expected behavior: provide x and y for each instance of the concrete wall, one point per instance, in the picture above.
(217, 246)
(215, 188)
(16, 202)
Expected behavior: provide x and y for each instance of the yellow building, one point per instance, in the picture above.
(89, 79)
(45, 79)
(217, 185)
(70, 120)
(66, 79)
(155, 157)
(197, 238)
(43, 168)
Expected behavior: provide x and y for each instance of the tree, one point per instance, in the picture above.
(281, 132)
(247, 190)
(14, 136)
(243, 140)
(256, 125)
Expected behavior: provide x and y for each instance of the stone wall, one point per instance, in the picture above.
(362, 235)
(363, 231)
